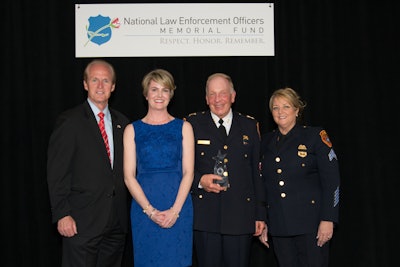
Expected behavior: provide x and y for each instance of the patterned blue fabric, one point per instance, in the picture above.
(159, 172)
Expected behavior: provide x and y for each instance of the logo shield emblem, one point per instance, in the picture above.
(99, 30)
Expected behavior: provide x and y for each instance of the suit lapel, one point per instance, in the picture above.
(95, 131)
(235, 127)
(213, 127)
(118, 130)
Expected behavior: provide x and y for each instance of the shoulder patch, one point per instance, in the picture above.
(325, 138)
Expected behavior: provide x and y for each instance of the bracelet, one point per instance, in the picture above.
(147, 207)
(152, 212)
(176, 213)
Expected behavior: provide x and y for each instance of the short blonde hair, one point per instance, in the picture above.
(291, 95)
(160, 76)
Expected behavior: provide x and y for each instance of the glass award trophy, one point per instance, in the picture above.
(221, 170)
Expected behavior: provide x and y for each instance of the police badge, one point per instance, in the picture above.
(221, 170)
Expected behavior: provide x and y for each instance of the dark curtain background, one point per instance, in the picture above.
(342, 56)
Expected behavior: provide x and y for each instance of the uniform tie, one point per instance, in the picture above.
(222, 128)
(103, 133)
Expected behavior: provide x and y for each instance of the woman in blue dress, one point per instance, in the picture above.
(158, 169)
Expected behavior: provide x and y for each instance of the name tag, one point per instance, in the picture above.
(203, 142)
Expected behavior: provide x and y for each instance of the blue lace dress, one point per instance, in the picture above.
(159, 172)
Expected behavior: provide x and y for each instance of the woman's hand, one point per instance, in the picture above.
(169, 218)
(325, 232)
(264, 236)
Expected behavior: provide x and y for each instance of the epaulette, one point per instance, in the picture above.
(197, 113)
(247, 116)
(250, 117)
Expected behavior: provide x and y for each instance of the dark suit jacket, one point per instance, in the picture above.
(302, 181)
(235, 210)
(80, 178)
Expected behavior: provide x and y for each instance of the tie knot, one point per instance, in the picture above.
(221, 121)
(101, 115)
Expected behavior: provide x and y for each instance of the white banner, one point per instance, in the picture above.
(174, 30)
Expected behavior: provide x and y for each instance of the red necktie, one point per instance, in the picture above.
(103, 132)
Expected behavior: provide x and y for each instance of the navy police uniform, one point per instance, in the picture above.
(302, 180)
(234, 211)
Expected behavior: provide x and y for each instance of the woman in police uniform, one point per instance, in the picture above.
(302, 180)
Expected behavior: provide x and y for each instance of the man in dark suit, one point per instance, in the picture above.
(85, 176)
(226, 216)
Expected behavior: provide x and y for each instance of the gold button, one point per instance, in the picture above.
(225, 147)
(225, 160)
(283, 195)
(303, 165)
(279, 171)
(200, 196)
(277, 159)
(248, 199)
(245, 155)
(202, 153)
(281, 183)
(313, 201)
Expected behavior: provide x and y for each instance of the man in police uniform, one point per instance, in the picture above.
(226, 216)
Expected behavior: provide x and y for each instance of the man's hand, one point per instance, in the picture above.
(66, 226)
(207, 182)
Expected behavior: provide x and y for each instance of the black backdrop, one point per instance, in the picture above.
(341, 56)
